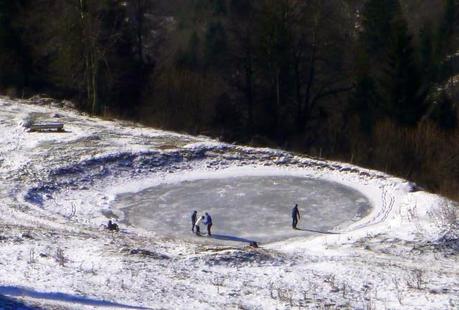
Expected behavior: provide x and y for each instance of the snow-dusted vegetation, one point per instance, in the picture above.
(60, 188)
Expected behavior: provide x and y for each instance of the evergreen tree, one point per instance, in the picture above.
(427, 61)
(400, 83)
(371, 49)
(445, 113)
(401, 86)
(15, 63)
(123, 73)
(219, 7)
(363, 103)
(377, 16)
(275, 42)
(215, 48)
(189, 59)
(448, 38)
(449, 27)
(364, 99)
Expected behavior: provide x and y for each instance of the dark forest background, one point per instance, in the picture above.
(373, 82)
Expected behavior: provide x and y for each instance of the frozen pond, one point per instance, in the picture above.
(247, 208)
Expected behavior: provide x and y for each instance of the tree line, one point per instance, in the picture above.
(372, 82)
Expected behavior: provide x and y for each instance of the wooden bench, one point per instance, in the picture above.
(47, 127)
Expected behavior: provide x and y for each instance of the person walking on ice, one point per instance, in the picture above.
(193, 220)
(196, 225)
(208, 222)
(295, 216)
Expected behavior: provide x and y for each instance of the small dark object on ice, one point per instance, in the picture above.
(112, 226)
(253, 244)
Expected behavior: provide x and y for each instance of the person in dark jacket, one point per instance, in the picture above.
(208, 223)
(295, 216)
(194, 217)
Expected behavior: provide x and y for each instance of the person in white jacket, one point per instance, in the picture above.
(196, 225)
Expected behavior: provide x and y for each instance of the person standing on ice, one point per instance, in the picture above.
(208, 222)
(295, 216)
(196, 225)
(193, 219)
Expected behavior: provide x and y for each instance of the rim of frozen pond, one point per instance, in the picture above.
(245, 207)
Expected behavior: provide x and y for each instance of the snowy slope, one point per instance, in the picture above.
(58, 188)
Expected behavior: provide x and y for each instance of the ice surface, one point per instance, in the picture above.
(249, 208)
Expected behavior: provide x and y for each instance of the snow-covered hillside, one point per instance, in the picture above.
(58, 190)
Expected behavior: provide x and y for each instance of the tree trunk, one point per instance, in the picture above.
(299, 99)
(94, 85)
(139, 15)
(249, 94)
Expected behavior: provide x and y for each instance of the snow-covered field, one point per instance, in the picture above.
(59, 188)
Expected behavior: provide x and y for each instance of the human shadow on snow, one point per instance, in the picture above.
(230, 238)
(318, 231)
(10, 303)
(14, 291)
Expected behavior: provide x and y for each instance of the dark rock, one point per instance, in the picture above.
(148, 253)
(27, 235)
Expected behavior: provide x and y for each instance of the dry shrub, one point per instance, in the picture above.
(424, 154)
